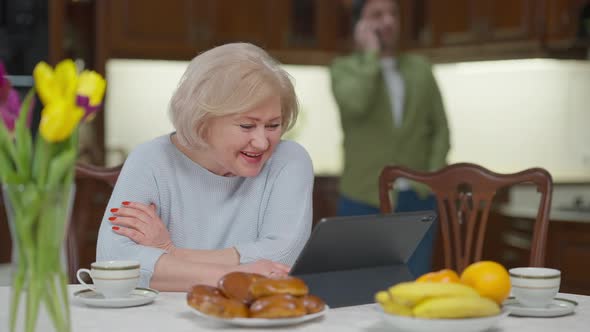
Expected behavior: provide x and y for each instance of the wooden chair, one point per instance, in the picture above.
(464, 194)
(94, 186)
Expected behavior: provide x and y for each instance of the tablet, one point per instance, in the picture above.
(347, 259)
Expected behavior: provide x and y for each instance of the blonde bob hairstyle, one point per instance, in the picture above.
(227, 80)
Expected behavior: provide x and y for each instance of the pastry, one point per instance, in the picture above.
(236, 285)
(277, 306)
(209, 300)
(288, 285)
(312, 303)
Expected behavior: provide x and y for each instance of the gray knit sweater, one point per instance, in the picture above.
(264, 217)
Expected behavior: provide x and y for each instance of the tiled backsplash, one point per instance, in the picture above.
(505, 115)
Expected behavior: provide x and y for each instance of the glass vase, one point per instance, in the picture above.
(38, 221)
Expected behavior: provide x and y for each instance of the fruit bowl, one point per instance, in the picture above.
(412, 324)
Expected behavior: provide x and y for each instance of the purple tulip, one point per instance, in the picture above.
(89, 110)
(10, 104)
(4, 83)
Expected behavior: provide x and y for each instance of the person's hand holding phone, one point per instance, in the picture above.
(366, 36)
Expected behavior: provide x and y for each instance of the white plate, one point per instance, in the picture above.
(411, 324)
(138, 296)
(559, 307)
(262, 322)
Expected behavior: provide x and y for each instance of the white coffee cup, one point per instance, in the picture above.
(112, 278)
(534, 286)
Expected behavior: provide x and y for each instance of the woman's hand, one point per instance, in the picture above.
(266, 268)
(140, 223)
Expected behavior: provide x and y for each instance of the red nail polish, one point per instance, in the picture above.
(114, 210)
(112, 218)
(126, 203)
(115, 228)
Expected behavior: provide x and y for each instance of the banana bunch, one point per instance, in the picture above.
(435, 300)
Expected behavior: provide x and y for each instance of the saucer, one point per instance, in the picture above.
(262, 322)
(558, 307)
(138, 296)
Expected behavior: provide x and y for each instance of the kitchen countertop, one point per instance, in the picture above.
(556, 214)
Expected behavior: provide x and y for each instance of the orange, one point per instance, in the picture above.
(445, 275)
(490, 279)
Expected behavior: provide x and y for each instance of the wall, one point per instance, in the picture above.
(510, 115)
(136, 103)
(505, 115)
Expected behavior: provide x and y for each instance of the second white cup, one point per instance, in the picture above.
(534, 286)
(112, 278)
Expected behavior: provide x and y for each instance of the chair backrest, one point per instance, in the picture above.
(94, 186)
(107, 175)
(464, 194)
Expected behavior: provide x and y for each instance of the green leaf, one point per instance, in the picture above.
(60, 166)
(43, 152)
(50, 305)
(33, 300)
(25, 108)
(7, 143)
(7, 171)
(24, 142)
(17, 286)
(72, 141)
(5, 138)
(63, 283)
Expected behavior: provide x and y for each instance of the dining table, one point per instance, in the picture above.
(5, 274)
(169, 312)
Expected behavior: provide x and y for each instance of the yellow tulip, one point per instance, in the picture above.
(56, 84)
(58, 120)
(43, 76)
(66, 75)
(91, 85)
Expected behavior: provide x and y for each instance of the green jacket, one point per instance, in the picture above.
(371, 141)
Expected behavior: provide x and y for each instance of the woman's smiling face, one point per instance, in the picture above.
(240, 144)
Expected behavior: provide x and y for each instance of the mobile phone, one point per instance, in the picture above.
(379, 38)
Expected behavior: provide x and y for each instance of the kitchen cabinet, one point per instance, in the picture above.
(314, 31)
(299, 31)
(563, 21)
(470, 22)
(567, 250)
(461, 24)
(568, 244)
(153, 28)
(461, 30)
(510, 20)
(179, 29)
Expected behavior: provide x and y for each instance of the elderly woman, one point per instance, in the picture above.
(223, 192)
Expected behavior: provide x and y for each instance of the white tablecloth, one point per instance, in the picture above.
(169, 313)
(5, 274)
